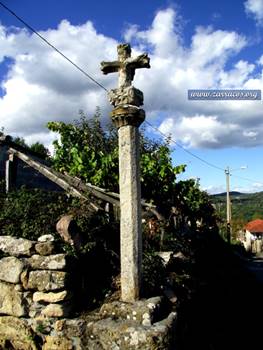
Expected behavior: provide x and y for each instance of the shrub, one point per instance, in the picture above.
(31, 213)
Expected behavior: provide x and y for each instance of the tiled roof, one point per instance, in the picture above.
(255, 226)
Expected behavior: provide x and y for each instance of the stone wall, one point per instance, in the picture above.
(33, 279)
(36, 307)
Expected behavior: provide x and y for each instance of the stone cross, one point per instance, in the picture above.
(127, 117)
(125, 65)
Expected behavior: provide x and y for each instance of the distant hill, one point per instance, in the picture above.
(233, 193)
(245, 206)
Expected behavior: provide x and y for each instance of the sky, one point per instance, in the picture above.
(192, 45)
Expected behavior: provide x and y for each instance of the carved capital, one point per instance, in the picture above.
(126, 96)
(127, 115)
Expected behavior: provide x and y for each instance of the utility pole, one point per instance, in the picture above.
(228, 206)
(228, 202)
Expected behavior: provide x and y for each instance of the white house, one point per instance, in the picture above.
(254, 236)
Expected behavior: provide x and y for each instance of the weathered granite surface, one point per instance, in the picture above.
(12, 302)
(50, 262)
(45, 248)
(17, 332)
(56, 310)
(46, 280)
(144, 312)
(51, 297)
(16, 246)
(127, 116)
(11, 269)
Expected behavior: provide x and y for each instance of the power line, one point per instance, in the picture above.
(189, 152)
(197, 157)
(246, 179)
(52, 46)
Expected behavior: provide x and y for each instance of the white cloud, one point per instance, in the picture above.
(214, 189)
(41, 86)
(255, 8)
(198, 130)
(255, 187)
(260, 61)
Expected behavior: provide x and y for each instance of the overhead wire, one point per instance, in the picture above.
(52, 46)
(246, 179)
(186, 150)
(197, 157)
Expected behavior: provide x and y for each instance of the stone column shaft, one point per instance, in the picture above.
(130, 204)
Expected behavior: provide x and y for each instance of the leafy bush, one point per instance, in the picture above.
(31, 213)
(153, 277)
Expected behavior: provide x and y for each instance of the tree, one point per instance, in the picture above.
(194, 203)
(20, 141)
(40, 149)
(86, 150)
(36, 147)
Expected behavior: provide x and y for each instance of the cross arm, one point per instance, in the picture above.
(109, 67)
(142, 61)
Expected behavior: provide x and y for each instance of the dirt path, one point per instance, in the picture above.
(255, 266)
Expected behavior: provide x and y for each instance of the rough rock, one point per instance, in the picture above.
(71, 328)
(51, 262)
(56, 310)
(120, 334)
(11, 269)
(57, 343)
(45, 248)
(16, 332)
(143, 311)
(12, 302)
(51, 297)
(46, 238)
(35, 309)
(68, 230)
(16, 246)
(46, 280)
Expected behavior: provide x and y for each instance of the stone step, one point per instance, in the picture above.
(127, 334)
(145, 312)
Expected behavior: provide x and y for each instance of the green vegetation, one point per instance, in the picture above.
(88, 151)
(37, 147)
(31, 213)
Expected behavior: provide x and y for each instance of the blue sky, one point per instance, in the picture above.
(192, 45)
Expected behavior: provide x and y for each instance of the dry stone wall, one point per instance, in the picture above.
(36, 307)
(33, 279)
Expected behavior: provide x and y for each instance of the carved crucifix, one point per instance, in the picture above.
(125, 65)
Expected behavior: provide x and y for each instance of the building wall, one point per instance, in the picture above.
(253, 242)
(26, 175)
